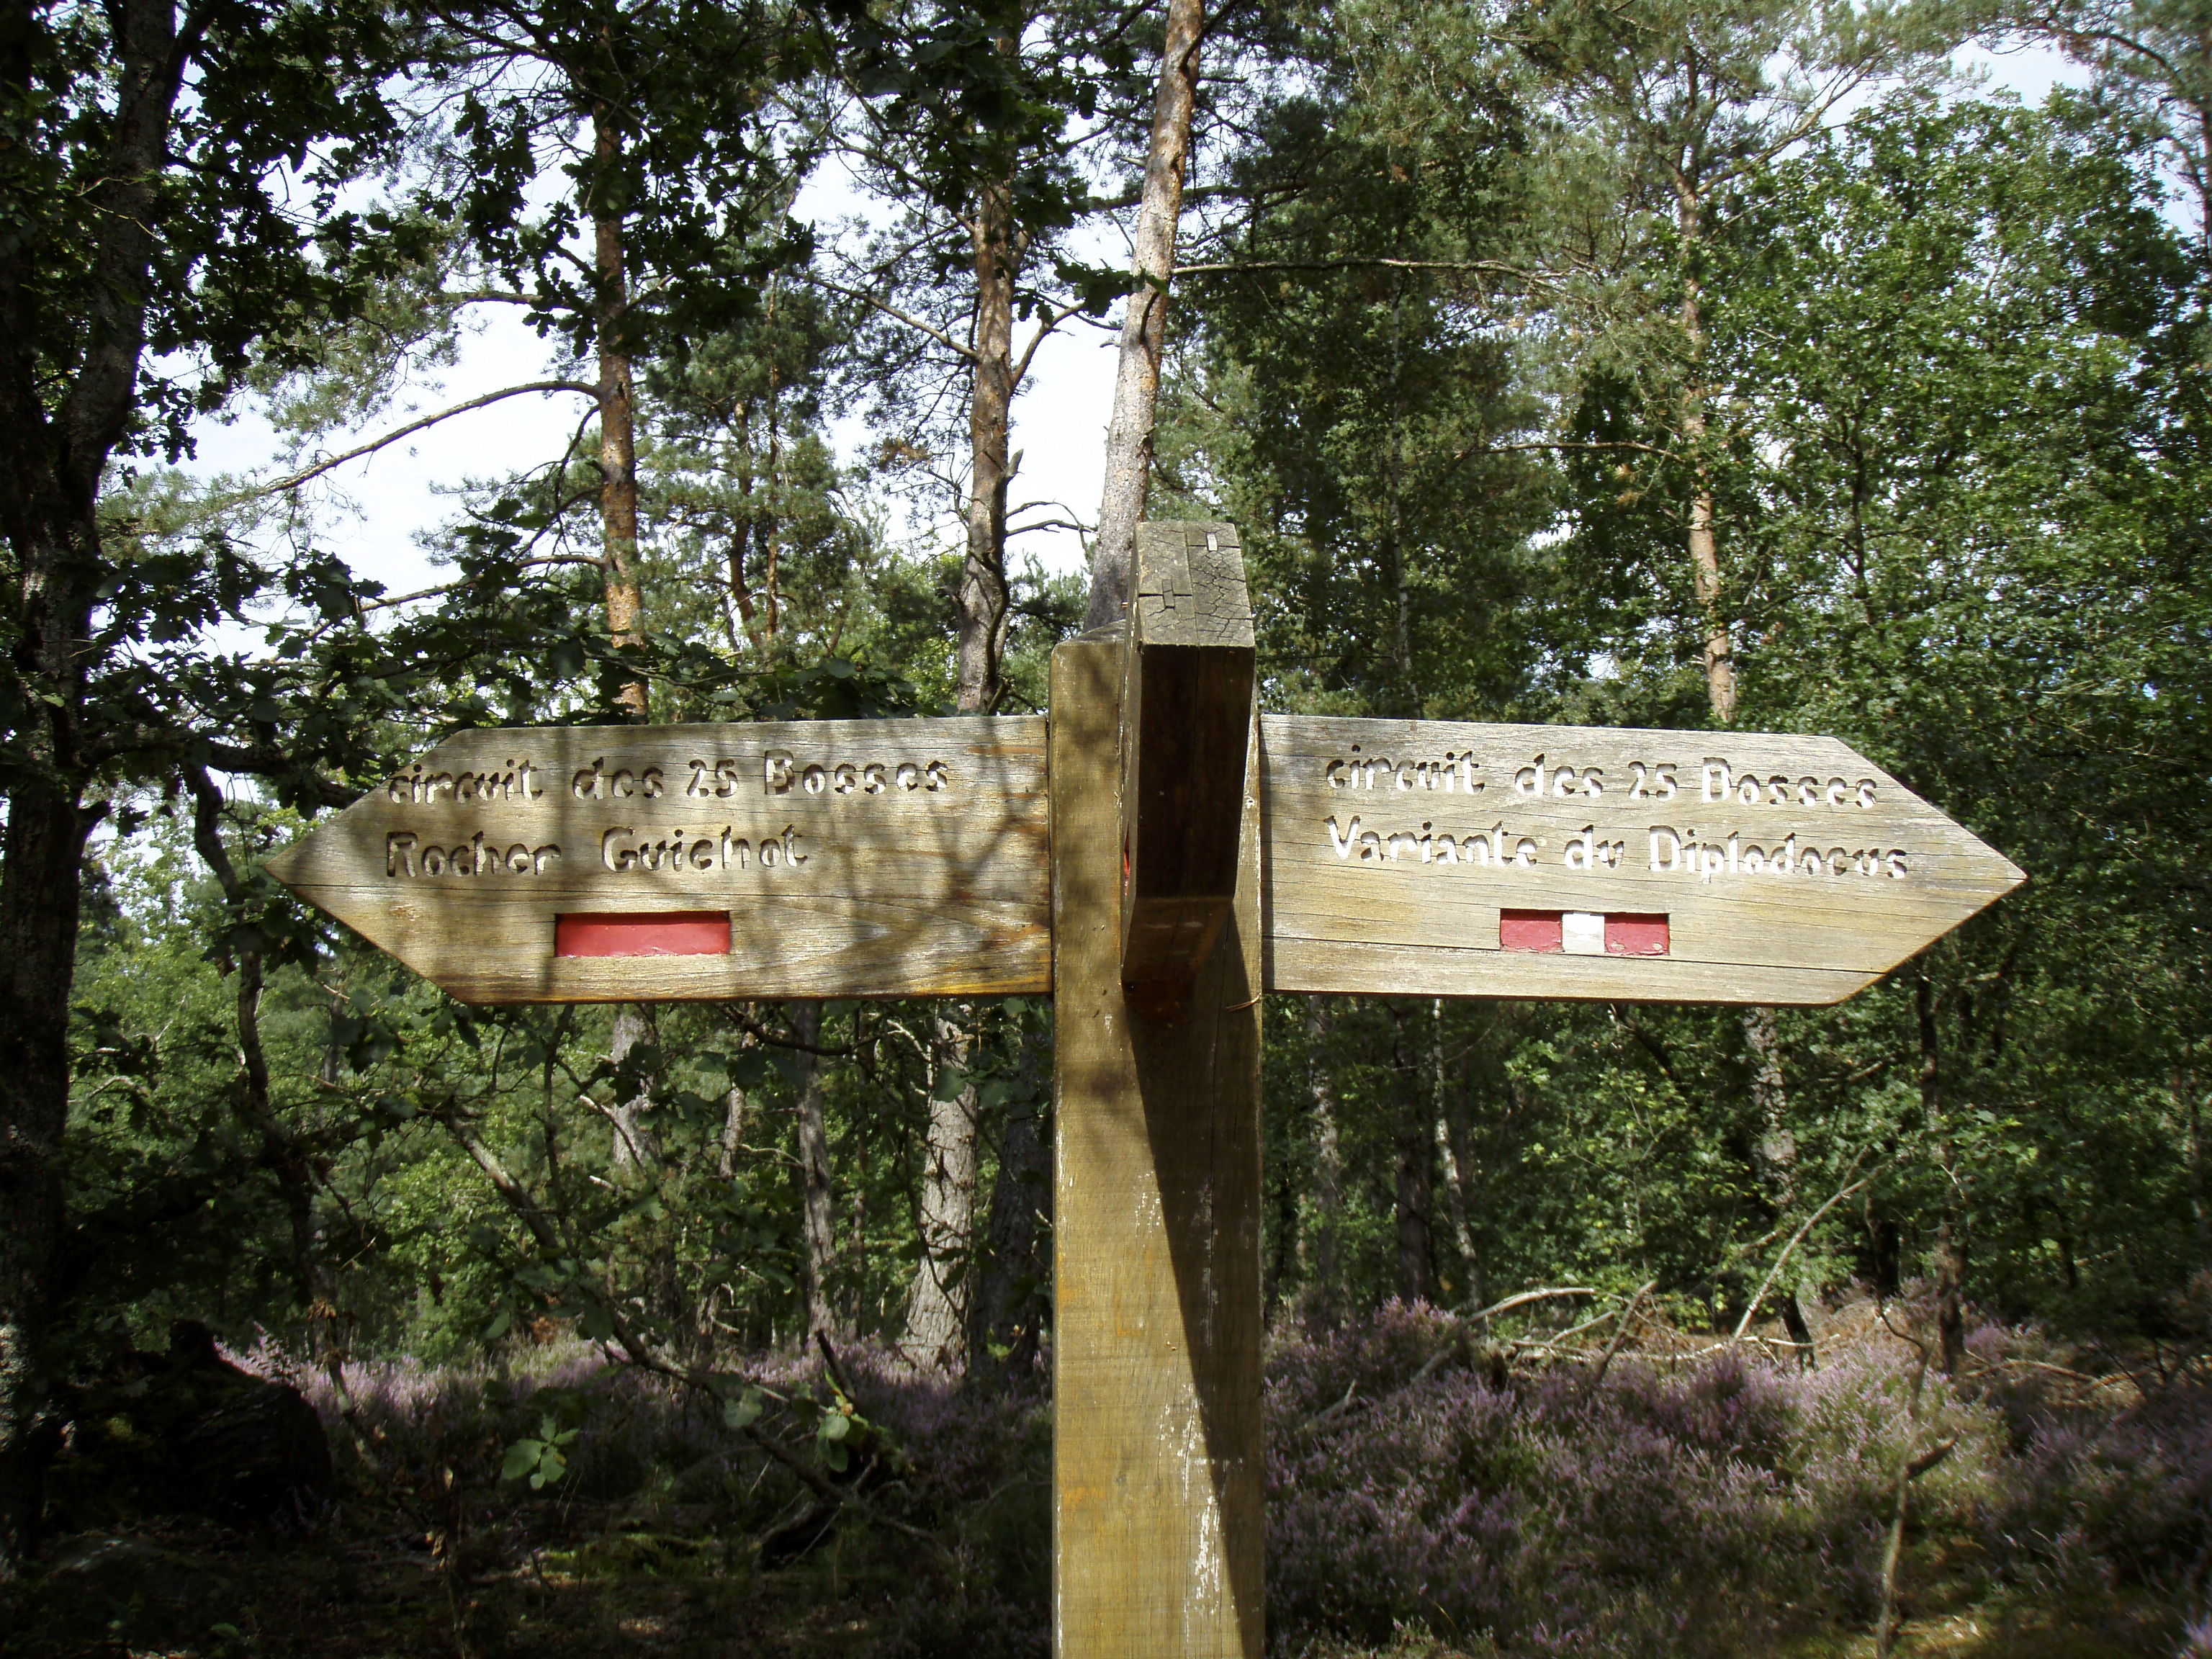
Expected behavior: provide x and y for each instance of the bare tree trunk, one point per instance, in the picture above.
(935, 1324)
(983, 610)
(1775, 1154)
(1144, 328)
(636, 1142)
(1321, 1245)
(817, 1214)
(735, 1109)
(617, 423)
(1703, 548)
(935, 1320)
(1776, 1150)
(1450, 1136)
(1892, 1547)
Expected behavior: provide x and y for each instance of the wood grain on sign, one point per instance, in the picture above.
(1637, 865)
(1187, 699)
(1158, 1526)
(852, 859)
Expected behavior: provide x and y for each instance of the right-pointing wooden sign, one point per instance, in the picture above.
(1435, 858)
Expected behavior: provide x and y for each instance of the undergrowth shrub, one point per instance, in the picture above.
(1705, 1506)
(1679, 1511)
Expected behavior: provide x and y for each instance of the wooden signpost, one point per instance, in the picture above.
(1155, 856)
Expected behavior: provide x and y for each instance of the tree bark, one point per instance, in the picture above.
(935, 1326)
(1703, 547)
(984, 614)
(817, 1204)
(1450, 1106)
(1144, 327)
(936, 1323)
(48, 491)
(636, 1141)
(1776, 1150)
(618, 415)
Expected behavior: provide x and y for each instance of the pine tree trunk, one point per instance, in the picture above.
(817, 1203)
(1144, 327)
(982, 626)
(617, 422)
(934, 1337)
(1775, 1155)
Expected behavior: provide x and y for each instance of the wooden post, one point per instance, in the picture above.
(1156, 1447)
(1188, 668)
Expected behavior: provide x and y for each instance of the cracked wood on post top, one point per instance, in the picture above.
(1187, 677)
(852, 858)
(1157, 1516)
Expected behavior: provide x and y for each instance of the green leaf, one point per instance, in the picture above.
(521, 1459)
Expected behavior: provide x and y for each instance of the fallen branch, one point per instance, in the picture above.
(1620, 1332)
(1524, 1297)
(1795, 1239)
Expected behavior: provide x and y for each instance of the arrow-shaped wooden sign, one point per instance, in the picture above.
(1446, 860)
(609, 864)
(910, 858)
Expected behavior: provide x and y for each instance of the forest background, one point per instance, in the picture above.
(1643, 364)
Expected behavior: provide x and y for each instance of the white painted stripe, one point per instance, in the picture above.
(1582, 933)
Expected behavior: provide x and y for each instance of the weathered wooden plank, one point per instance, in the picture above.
(853, 858)
(1157, 1451)
(1790, 870)
(1186, 695)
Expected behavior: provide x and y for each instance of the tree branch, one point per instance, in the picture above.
(321, 467)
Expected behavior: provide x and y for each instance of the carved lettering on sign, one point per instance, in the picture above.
(408, 856)
(783, 772)
(513, 782)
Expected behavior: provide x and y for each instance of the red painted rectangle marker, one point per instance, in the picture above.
(1635, 935)
(642, 933)
(1530, 930)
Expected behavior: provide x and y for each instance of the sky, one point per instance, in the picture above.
(376, 509)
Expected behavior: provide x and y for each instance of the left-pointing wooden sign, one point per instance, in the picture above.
(606, 864)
